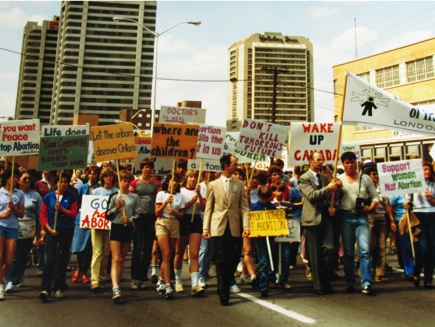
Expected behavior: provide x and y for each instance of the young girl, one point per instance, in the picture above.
(122, 208)
(11, 208)
(169, 209)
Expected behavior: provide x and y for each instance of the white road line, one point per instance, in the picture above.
(285, 312)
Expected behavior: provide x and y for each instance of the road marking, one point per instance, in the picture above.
(274, 307)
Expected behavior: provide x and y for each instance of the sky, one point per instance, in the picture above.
(196, 57)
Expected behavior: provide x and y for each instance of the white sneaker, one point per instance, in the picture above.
(9, 287)
(197, 290)
(160, 287)
(234, 289)
(116, 296)
(58, 294)
(2, 294)
(179, 287)
(202, 282)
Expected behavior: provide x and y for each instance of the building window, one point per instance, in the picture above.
(420, 69)
(388, 76)
(364, 76)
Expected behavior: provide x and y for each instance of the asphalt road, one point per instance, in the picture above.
(396, 303)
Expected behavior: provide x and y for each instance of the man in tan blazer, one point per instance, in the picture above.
(226, 213)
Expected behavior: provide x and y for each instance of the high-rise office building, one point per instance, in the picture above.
(272, 80)
(35, 81)
(103, 66)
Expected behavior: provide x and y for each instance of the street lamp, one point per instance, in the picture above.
(141, 131)
(156, 40)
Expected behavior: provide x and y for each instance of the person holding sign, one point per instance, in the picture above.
(264, 272)
(226, 212)
(11, 208)
(101, 237)
(26, 231)
(423, 205)
(355, 224)
(195, 205)
(122, 209)
(58, 212)
(317, 219)
(81, 244)
(169, 209)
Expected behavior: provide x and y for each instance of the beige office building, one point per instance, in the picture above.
(406, 72)
(103, 66)
(35, 80)
(272, 80)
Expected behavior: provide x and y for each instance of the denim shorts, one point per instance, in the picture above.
(8, 233)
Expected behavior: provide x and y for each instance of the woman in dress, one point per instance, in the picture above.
(81, 245)
(58, 212)
(26, 231)
(11, 208)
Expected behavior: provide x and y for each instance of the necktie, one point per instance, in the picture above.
(319, 180)
(228, 187)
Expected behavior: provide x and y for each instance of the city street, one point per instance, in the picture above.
(396, 303)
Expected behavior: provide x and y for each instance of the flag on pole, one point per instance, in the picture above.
(368, 105)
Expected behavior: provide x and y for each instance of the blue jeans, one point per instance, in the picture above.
(264, 272)
(206, 251)
(425, 247)
(404, 248)
(355, 228)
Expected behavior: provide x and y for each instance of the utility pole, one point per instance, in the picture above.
(275, 71)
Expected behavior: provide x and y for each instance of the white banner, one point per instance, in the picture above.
(306, 138)
(19, 137)
(93, 212)
(368, 105)
(401, 177)
(181, 115)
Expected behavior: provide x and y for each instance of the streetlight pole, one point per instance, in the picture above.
(156, 41)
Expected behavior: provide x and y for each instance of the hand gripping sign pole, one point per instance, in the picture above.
(57, 199)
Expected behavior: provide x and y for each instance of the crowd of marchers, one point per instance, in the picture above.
(334, 217)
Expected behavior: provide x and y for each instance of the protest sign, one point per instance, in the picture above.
(268, 223)
(352, 147)
(63, 147)
(242, 156)
(181, 115)
(19, 137)
(401, 177)
(207, 165)
(174, 141)
(63, 152)
(306, 138)
(112, 142)
(262, 138)
(93, 212)
(368, 105)
(162, 166)
(210, 142)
